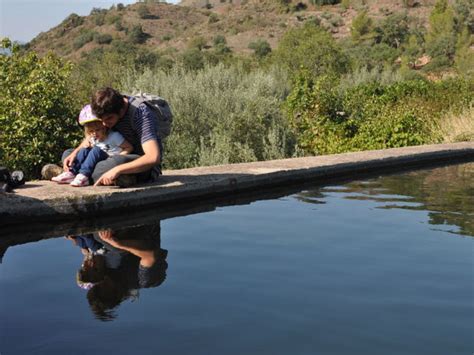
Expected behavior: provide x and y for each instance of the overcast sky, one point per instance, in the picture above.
(22, 20)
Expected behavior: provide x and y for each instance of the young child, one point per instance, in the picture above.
(98, 145)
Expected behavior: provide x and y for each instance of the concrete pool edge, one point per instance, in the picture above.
(45, 201)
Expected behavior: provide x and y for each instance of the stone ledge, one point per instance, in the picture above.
(46, 201)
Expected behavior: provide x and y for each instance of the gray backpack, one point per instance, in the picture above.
(160, 106)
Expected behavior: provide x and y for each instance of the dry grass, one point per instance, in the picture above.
(458, 127)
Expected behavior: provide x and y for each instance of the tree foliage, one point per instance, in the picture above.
(37, 111)
(329, 119)
(362, 26)
(310, 48)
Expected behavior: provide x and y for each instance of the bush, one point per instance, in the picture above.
(104, 38)
(371, 56)
(136, 35)
(213, 18)
(362, 27)
(325, 2)
(346, 4)
(441, 37)
(198, 42)
(72, 21)
(219, 40)
(85, 37)
(222, 115)
(145, 14)
(118, 26)
(310, 48)
(192, 59)
(393, 30)
(329, 119)
(98, 16)
(37, 112)
(261, 48)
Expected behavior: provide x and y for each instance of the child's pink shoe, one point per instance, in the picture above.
(80, 180)
(64, 178)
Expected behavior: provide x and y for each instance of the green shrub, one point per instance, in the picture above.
(118, 26)
(261, 48)
(346, 4)
(222, 115)
(136, 35)
(329, 118)
(102, 38)
(143, 12)
(336, 21)
(213, 18)
(192, 59)
(362, 27)
(310, 48)
(72, 21)
(37, 112)
(441, 37)
(464, 59)
(85, 37)
(325, 2)
(98, 16)
(219, 40)
(111, 19)
(393, 30)
(371, 56)
(198, 42)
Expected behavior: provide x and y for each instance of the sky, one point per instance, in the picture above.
(22, 20)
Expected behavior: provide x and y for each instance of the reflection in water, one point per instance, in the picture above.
(117, 263)
(345, 276)
(446, 193)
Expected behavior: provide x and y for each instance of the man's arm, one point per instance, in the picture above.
(145, 162)
(136, 247)
(127, 148)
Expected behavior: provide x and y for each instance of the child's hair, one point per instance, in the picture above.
(88, 127)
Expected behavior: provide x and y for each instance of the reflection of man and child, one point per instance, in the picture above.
(117, 264)
(122, 144)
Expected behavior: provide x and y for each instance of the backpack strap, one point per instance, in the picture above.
(133, 104)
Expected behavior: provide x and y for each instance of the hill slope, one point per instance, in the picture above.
(171, 27)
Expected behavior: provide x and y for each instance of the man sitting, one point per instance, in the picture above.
(138, 125)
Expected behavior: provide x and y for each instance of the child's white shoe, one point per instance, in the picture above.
(64, 178)
(80, 180)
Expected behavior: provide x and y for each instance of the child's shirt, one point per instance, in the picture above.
(111, 144)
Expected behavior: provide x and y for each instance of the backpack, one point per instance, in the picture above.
(10, 181)
(158, 105)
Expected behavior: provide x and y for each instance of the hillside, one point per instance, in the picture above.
(171, 27)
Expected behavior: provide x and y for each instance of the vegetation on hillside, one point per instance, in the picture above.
(391, 82)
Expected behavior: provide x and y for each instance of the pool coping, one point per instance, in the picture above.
(47, 202)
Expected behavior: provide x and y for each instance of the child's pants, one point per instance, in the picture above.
(86, 160)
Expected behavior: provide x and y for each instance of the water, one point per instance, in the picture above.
(381, 265)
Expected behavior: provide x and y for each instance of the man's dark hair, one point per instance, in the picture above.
(106, 101)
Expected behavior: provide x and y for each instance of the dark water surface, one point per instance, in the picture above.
(375, 266)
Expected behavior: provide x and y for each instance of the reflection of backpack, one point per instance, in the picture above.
(162, 109)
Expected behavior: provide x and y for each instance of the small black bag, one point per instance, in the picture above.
(10, 181)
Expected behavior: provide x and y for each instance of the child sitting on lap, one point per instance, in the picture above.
(98, 145)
